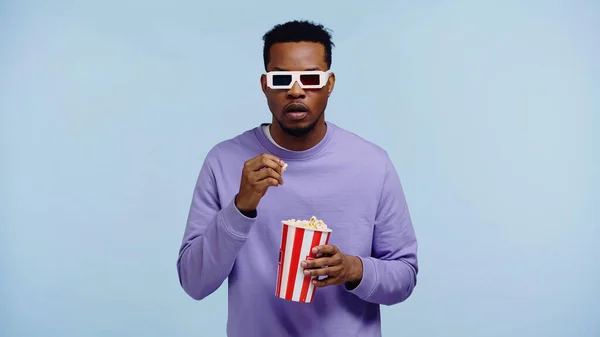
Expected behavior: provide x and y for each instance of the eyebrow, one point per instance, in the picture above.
(308, 69)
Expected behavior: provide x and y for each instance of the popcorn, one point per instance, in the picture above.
(298, 238)
(285, 165)
(313, 223)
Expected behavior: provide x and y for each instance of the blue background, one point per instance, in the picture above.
(489, 109)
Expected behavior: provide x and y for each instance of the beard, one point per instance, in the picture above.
(298, 132)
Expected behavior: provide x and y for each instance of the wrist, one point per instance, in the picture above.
(249, 212)
(356, 271)
(241, 206)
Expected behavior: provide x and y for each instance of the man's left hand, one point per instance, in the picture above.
(337, 266)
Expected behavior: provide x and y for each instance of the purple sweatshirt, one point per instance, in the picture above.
(344, 180)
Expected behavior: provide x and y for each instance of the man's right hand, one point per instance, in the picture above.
(258, 174)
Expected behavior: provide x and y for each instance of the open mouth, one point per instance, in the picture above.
(296, 111)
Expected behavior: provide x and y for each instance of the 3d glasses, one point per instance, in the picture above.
(313, 79)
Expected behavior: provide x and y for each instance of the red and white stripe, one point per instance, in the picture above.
(296, 245)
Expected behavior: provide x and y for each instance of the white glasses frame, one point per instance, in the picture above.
(323, 77)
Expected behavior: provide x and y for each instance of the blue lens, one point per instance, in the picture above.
(282, 79)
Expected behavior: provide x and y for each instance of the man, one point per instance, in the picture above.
(242, 194)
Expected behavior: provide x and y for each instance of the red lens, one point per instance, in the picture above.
(313, 79)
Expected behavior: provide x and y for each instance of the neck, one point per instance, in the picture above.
(298, 143)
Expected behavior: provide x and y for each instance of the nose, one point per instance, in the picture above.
(296, 92)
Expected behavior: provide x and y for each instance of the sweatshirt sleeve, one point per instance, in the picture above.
(390, 273)
(212, 239)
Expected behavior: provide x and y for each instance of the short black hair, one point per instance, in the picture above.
(298, 31)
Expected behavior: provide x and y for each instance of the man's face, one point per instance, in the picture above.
(297, 110)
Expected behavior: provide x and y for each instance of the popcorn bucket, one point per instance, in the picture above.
(296, 244)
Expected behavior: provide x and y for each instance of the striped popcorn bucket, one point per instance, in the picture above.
(296, 245)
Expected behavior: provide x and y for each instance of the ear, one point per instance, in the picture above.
(330, 84)
(263, 83)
